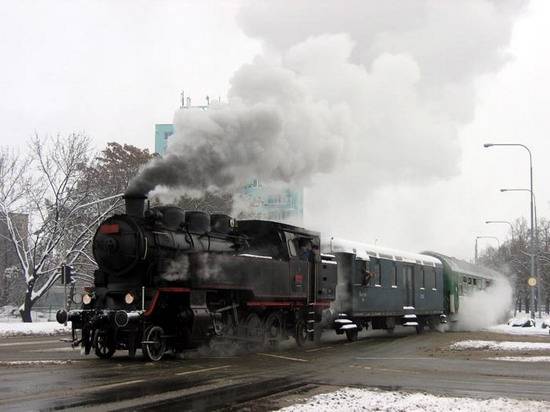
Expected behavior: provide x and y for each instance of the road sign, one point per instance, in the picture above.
(532, 282)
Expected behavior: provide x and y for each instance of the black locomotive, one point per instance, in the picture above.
(170, 279)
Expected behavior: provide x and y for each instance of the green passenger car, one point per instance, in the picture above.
(462, 278)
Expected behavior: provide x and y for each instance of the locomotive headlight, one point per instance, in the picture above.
(86, 299)
(129, 298)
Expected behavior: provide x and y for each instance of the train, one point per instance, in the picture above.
(170, 280)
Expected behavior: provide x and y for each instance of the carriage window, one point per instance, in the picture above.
(469, 281)
(435, 278)
(475, 281)
(394, 275)
(377, 272)
(423, 277)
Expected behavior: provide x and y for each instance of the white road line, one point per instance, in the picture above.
(318, 349)
(521, 380)
(376, 358)
(37, 342)
(283, 357)
(203, 370)
(116, 385)
(67, 349)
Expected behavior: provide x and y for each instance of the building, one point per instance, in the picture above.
(12, 285)
(162, 133)
(259, 201)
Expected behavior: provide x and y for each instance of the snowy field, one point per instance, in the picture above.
(521, 324)
(352, 399)
(492, 345)
(34, 328)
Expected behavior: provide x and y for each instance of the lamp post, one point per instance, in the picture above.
(535, 252)
(532, 245)
(485, 237)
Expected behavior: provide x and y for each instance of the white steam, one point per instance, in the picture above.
(344, 95)
(484, 308)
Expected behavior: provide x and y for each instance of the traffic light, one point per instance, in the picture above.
(66, 274)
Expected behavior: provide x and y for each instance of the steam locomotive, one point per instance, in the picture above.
(170, 279)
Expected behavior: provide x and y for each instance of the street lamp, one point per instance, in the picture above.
(485, 237)
(504, 222)
(534, 203)
(532, 246)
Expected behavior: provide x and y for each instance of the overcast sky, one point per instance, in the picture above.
(112, 69)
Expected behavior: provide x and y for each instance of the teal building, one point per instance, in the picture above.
(162, 133)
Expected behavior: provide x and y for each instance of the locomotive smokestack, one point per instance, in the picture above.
(135, 204)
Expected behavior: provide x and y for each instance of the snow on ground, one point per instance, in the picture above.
(522, 324)
(522, 358)
(352, 399)
(35, 363)
(499, 346)
(537, 330)
(34, 328)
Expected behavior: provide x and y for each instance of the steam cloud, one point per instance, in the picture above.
(485, 308)
(343, 95)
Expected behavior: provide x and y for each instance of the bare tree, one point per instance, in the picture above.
(50, 187)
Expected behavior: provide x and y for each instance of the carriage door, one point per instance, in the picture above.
(299, 267)
(409, 285)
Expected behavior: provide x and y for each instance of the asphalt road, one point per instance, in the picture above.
(43, 373)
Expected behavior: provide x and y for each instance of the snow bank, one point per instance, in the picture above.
(34, 328)
(351, 399)
(522, 358)
(499, 346)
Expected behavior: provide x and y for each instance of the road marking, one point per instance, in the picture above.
(67, 349)
(283, 357)
(38, 342)
(318, 349)
(116, 385)
(203, 370)
(522, 380)
(375, 358)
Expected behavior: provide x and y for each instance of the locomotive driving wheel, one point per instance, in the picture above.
(273, 327)
(254, 332)
(104, 347)
(154, 343)
(300, 332)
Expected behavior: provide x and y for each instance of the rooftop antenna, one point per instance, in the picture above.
(182, 99)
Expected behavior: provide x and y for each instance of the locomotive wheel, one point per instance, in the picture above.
(351, 334)
(300, 332)
(273, 327)
(254, 332)
(154, 344)
(104, 348)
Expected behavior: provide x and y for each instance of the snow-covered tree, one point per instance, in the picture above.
(50, 187)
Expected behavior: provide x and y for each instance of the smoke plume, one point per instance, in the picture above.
(343, 96)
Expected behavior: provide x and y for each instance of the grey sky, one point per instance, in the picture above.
(114, 69)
